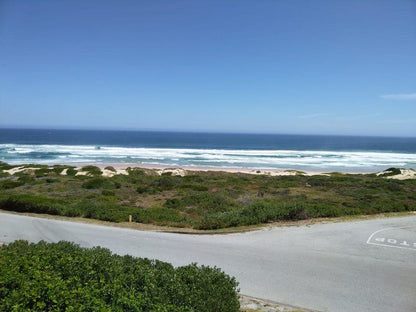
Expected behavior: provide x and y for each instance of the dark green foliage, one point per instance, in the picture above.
(30, 203)
(391, 172)
(71, 172)
(59, 168)
(135, 172)
(205, 202)
(255, 213)
(66, 277)
(194, 187)
(107, 193)
(166, 182)
(157, 185)
(160, 215)
(102, 210)
(5, 166)
(43, 172)
(48, 180)
(9, 184)
(4, 174)
(98, 182)
(147, 189)
(92, 170)
(111, 168)
(26, 179)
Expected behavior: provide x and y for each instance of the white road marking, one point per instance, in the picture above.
(371, 236)
(389, 240)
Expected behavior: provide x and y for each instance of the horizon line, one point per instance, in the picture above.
(194, 131)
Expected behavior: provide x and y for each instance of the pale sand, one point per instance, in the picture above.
(19, 169)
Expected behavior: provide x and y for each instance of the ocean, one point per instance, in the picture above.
(208, 150)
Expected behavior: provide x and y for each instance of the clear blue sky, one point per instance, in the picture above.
(268, 66)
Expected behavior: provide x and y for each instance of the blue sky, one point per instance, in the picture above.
(263, 66)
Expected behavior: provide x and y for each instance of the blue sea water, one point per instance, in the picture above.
(216, 150)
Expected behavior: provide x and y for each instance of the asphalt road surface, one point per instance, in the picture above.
(350, 266)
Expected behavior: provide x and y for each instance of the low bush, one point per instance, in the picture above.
(160, 215)
(391, 172)
(92, 170)
(98, 182)
(71, 172)
(205, 202)
(194, 187)
(43, 172)
(66, 277)
(107, 193)
(26, 179)
(147, 189)
(9, 184)
(134, 172)
(263, 211)
(167, 182)
(31, 203)
(5, 166)
(4, 174)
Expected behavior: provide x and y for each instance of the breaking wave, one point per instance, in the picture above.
(216, 158)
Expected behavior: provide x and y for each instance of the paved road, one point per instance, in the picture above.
(352, 266)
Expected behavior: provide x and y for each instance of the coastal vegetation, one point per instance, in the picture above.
(65, 277)
(201, 200)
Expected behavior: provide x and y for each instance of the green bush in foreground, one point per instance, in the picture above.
(66, 277)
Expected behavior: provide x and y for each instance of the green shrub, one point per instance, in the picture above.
(110, 168)
(194, 187)
(42, 172)
(59, 168)
(167, 182)
(9, 184)
(30, 203)
(206, 202)
(391, 172)
(147, 189)
(161, 216)
(92, 170)
(4, 174)
(107, 193)
(49, 180)
(71, 172)
(93, 183)
(26, 179)
(135, 172)
(66, 277)
(5, 166)
(107, 211)
(260, 211)
(96, 183)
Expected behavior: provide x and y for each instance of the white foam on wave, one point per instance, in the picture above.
(19, 153)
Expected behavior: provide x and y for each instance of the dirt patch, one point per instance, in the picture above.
(251, 304)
